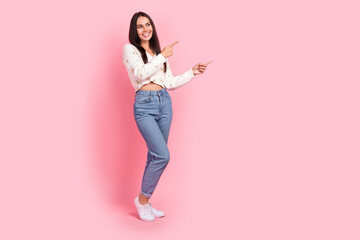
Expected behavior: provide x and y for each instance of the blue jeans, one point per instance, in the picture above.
(153, 115)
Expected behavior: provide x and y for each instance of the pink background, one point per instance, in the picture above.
(264, 144)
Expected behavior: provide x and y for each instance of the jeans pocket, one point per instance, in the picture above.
(142, 99)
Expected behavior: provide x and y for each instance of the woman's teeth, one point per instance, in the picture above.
(147, 34)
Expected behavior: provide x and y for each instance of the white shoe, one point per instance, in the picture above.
(155, 212)
(144, 211)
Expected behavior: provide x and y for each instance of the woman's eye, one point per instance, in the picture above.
(146, 24)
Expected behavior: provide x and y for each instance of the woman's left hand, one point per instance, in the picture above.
(200, 68)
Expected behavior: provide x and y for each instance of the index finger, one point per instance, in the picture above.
(172, 44)
(208, 62)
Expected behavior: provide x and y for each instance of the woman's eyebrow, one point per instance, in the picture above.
(140, 24)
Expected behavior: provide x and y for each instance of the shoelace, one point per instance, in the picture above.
(152, 208)
(145, 210)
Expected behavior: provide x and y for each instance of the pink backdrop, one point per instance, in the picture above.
(264, 144)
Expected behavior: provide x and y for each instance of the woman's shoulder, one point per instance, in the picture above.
(130, 50)
(129, 46)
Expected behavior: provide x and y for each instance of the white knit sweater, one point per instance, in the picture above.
(141, 74)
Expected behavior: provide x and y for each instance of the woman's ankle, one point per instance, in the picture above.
(143, 199)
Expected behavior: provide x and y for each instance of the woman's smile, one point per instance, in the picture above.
(146, 34)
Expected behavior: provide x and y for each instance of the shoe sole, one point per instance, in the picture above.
(159, 216)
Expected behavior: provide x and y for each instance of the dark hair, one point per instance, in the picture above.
(135, 40)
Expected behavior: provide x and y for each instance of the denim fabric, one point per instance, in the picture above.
(153, 115)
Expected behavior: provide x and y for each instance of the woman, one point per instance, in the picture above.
(149, 71)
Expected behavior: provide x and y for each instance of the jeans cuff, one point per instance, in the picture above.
(146, 194)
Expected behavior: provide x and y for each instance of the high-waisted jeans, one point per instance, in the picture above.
(153, 115)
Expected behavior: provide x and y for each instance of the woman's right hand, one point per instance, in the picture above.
(168, 51)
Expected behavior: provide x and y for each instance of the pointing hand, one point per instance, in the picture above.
(168, 51)
(200, 68)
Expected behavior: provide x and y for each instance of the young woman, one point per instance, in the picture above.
(149, 71)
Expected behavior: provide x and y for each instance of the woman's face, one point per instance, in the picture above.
(144, 28)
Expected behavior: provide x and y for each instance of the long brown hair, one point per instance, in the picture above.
(135, 40)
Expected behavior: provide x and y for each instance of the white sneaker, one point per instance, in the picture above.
(155, 212)
(144, 210)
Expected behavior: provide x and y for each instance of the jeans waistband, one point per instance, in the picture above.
(150, 92)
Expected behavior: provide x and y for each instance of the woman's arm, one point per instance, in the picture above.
(172, 82)
(136, 66)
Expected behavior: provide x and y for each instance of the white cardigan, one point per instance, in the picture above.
(141, 74)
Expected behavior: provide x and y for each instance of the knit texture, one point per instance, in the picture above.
(141, 74)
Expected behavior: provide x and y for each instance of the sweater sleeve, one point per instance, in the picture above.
(172, 82)
(134, 63)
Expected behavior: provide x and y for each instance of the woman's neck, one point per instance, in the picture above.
(145, 45)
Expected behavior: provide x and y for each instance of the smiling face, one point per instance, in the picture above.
(144, 29)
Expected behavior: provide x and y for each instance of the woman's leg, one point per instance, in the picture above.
(155, 131)
(159, 153)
